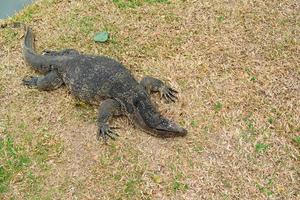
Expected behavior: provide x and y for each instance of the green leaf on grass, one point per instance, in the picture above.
(101, 36)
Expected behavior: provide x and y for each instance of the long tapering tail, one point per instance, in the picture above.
(29, 39)
(37, 61)
(41, 63)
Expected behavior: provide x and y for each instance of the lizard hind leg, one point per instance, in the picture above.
(50, 81)
(155, 85)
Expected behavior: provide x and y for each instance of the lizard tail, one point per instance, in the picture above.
(37, 61)
(41, 63)
(29, 39)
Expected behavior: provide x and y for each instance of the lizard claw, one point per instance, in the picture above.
(105, 132)
(169, 94)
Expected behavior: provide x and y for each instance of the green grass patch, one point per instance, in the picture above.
(27, 14)
(270, 120)
(22, 158)
(177, 183)
(13, 161)
(296, 139)
(9, 35)
(194, 123)
(261, 147)
(86, 24)
(250, 129)
(198, 149)
(179, 186)
(218, 106)
(221, 18)
(131, 187)
(266, 187)
(253, 78)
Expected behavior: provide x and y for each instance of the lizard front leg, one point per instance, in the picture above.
(108, 108)
(154, 85)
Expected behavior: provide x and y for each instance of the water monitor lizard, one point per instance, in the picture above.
(93, 79)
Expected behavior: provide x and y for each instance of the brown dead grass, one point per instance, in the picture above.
(236, 65)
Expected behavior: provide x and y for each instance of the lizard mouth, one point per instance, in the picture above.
(167, 134)
(170, 129)
(159, 127)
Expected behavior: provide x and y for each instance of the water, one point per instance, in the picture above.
(10, 7)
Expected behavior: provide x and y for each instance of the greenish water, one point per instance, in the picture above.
(10, 7)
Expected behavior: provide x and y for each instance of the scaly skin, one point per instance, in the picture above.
(94, 78)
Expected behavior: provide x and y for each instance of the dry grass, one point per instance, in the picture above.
(236, 64)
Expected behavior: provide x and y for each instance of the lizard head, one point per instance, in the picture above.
(145, 116)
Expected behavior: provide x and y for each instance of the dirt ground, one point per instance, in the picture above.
(235, 64)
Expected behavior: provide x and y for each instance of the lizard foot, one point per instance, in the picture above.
(30, 81)
(105, 132)
(168, 93)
